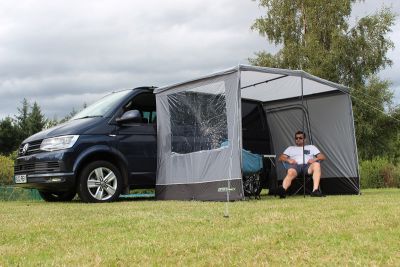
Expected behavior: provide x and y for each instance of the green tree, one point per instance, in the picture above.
(22, 130)
(314, 35)
(36, 120)
(8, 140)
(376, 131)
(51, 122)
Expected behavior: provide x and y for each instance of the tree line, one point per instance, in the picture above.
(28, 121)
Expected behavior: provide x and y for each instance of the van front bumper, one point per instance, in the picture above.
(52, 182)
(47, 171)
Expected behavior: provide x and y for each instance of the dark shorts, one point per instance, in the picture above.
(300, 168)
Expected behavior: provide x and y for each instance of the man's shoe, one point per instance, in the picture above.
(281, 192)
(317, 193)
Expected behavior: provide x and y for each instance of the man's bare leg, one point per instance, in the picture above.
(315, 170)
(290, 176)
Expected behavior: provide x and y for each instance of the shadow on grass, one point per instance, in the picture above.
(137, 197)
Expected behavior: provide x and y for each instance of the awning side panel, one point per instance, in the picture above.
(198, 139)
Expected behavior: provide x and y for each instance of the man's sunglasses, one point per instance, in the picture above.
(299, 138)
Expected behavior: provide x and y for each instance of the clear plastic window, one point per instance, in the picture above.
(198, 118)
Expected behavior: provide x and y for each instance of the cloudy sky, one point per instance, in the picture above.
(64, 53)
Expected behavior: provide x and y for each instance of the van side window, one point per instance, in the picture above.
(146, 104)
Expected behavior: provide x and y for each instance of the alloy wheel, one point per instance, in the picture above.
(102, 183)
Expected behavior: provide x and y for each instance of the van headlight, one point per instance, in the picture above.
(58, 143)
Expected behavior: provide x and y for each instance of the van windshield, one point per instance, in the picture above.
(102, 106)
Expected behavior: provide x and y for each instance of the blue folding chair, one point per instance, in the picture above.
(252, 168)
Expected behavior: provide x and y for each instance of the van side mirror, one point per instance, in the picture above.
(130, 116)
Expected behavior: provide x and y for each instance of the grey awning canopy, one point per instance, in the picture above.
(199, 129)
(269, 84)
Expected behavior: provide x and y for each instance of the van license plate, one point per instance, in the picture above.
(20, 179)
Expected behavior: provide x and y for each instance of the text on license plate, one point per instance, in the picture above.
(20, 179)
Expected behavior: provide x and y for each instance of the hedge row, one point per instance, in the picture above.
(6, 170)
(379, 173)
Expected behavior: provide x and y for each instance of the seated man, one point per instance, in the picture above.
(293, 158)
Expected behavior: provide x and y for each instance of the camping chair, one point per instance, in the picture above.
(297, 183)
(252, 170)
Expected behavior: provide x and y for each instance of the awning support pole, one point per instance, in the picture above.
(267, 81)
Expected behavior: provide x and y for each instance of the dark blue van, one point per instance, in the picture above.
(109, 148)
(101, 152)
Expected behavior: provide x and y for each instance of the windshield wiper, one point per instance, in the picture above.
(90, 116)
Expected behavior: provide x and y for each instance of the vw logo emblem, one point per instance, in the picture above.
(25, 148)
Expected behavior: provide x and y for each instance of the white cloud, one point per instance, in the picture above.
(64, 53)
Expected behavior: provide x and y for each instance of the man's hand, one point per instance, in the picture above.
(285, 158)
(311, 161)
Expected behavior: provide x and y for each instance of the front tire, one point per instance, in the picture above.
(99, 181)
(57, 196)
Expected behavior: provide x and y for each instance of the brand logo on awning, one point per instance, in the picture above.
(226, 189)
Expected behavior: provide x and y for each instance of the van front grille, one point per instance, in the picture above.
(37, 167)
(33, 148)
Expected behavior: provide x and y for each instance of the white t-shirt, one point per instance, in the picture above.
(296, 153)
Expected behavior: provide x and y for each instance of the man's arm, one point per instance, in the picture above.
(285, 158)
(318, 157)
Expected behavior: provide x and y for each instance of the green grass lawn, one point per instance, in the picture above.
(337, 230)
